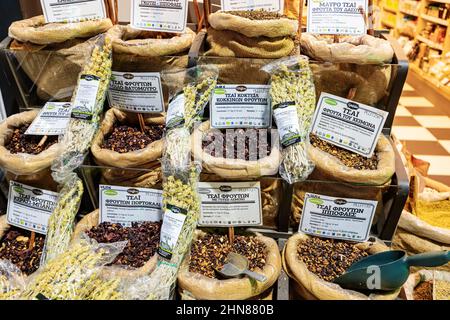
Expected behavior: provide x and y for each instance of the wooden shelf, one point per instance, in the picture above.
(430, 79)
(390, 9)
(442, 22)
(409, 13)
(441, 1)
(430, 43)
(388, 24)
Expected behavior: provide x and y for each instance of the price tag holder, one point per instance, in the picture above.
(136, 92)
(241, 106)
(174, 218)
(347, 124)
(52, 120)
(30, 208)
(336, 17)
(85, 97)
(126, 205)
(175, 112)
(337, 218)
(159, 15)
(230, 204)
(268, 5)
(73, 10)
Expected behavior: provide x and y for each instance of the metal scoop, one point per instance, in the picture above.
(393, 267)
(236, 266)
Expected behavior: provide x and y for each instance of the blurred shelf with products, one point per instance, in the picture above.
(421, 27)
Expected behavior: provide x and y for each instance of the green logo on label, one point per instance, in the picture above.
(330, 101)
(316, 201)
(18, 189)
(110, 192)
(219, 91)
(51, 107)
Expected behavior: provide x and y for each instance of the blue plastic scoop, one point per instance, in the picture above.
(387, 270)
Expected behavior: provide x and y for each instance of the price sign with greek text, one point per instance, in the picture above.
(73, 10)
(126, 205)
(159, 15)
(348, 124)
(30, 208)
(337, 17)
(136, 91)
(226, 204)
(337, 218)
(85, 97)
(52, 120)
(267, 5)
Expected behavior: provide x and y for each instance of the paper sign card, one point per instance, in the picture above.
(159, 15)
(73, 10)
(30, 208)
(225, 204)
(347, 124)
(337, 218)
(337, 17)
(136, 92)
(267, 5)
(52, 120)
(126, 205)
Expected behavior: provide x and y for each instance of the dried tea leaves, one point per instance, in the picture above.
(328, 258)
(143, 240)
(15, 247)
(25, 143)
(257, 14)
(348, 158)
(210, 252)
(125, 138)
(424, 291)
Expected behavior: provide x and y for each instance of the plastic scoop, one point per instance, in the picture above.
(392, 267)
(236, 266)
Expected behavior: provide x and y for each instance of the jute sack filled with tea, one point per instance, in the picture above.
(26, 168)
(234, 44)
(54, 51)
(201, 287)
(420, 276)
(311, 287)
(331, 167)
(251, 27)
(233, 168)
(363, 49)
(92, 220)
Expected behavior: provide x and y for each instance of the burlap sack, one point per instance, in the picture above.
(91, 220)
(267, 295)
(311, 287)
(26, 168)
(35, 30)
(233, 44)
(4, 226)
(233, 168)
(370, 81)
(331, 167)
(203, 288)
(253, 28)
(416, 278)
(363, 49)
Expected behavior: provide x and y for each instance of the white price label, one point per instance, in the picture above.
(126, 205)
(136, 91)
(348, 124)
(73, 10)
(52, 120)
(240, 106)
(337, 218)
(30, 208)
(85, 97)
(225, 204)
(172, 225)
(267, 5)
(175, 112)
(159, 15)
(286, 117)
(337, 17)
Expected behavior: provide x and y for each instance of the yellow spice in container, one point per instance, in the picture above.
(436, 213)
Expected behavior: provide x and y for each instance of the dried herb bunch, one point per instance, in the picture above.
(125, 138)
(258, 14)
(143, 239)
(210, 252)
(241, 140)
(328, 258)
(14, 247)
(24, 143)
(348, 158)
